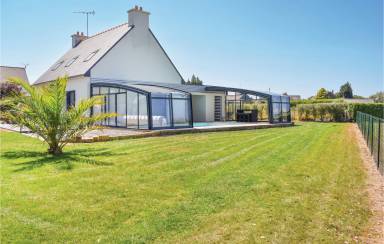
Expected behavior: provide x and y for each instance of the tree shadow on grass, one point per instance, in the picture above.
(65, 161)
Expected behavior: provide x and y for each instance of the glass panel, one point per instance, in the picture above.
(113, 90)
(179, 95)
(132, 110)
(180, 112)
(231, 110)
(285, 112)
(104, 90)
(161, 95)
(276, 99)
(90, 56)
(276, 110)
(95, 90)
(71, 61)
(104, 109)
(285, 99)
(161, 115)
(143, 112)
(121, 109)
(112, 109)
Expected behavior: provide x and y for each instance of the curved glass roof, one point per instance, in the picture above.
(155, 87)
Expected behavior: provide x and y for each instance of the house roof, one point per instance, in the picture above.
(99, 43)
(8, 71)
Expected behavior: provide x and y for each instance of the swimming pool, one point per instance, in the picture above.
(201, 124)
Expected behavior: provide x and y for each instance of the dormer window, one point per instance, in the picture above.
(57, 65)
(90, 55)
(71, 61)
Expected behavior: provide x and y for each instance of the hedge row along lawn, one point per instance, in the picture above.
(297, 184)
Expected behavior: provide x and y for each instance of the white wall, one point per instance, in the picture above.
(137, 57)
(198, 108)
(204, 106)
(81, 86)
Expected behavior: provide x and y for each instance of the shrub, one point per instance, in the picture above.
(294, 103)
(322, 112)
(336, 111)
(375, 109)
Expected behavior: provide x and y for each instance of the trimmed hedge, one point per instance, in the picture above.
(335, 111)
(294, 103)
(375, 109)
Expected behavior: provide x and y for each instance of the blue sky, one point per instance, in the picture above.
(294, 46)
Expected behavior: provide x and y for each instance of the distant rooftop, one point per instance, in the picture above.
(8, 71)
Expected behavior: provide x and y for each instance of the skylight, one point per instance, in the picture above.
(71, 61)
(91, 55)
(57, 65)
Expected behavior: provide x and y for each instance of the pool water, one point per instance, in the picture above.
(200, 124)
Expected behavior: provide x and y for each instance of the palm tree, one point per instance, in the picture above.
(43, 111)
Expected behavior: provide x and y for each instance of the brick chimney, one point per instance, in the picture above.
(77, 38)
(138, 17)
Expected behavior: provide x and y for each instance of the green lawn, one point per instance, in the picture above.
(282, 185)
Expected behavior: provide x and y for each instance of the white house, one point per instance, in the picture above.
(127, 65)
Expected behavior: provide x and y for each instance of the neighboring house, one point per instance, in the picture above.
(140, 83)
(295, 97)
(7, 71)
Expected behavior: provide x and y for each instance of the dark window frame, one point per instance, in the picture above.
(68, 99)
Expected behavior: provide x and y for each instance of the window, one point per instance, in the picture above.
(57, 65)
(91, 55)
(70, 99)
(71, 61)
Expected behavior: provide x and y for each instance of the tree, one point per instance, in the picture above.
(321, 93)
(378, 97)
(346, 90)
(194, 81)
(43, 111)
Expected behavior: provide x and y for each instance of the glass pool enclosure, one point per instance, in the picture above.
(151, 106)
(141, 106)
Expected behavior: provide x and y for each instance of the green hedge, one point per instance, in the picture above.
(294, 103)
(375, 109)
(335, 111)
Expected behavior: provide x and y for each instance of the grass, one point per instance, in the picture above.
(282, 185)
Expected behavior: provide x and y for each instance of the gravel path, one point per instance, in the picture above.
(375, 189)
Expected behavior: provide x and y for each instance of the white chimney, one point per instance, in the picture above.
(77, 38)
(138, 17)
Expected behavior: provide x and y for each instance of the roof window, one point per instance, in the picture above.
(70, 62)
(57, 65)
(91, 55)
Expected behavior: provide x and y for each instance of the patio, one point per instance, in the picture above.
(113, 133)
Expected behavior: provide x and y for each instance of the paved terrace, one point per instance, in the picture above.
(108, 133)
